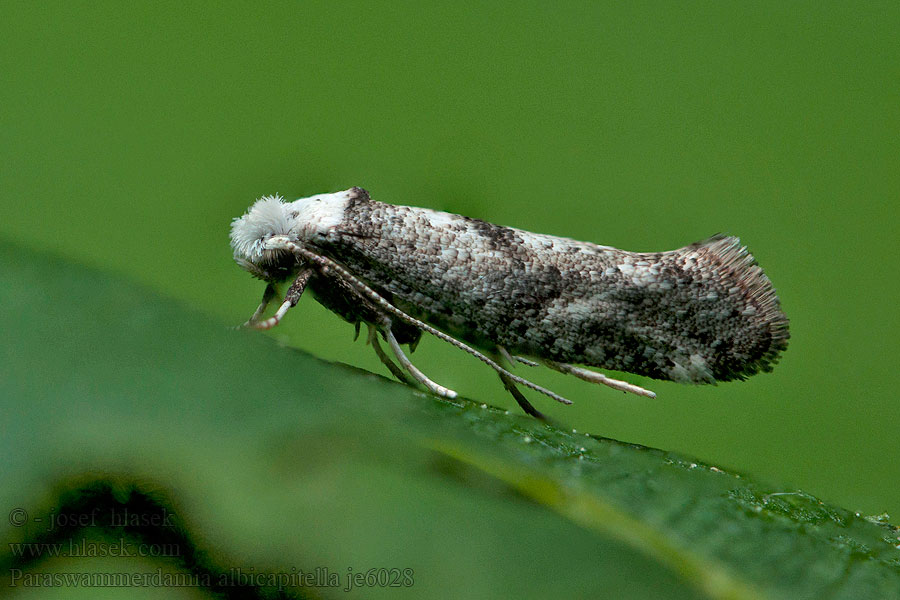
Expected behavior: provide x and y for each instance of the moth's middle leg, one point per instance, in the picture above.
(434, 388)
(385, 359)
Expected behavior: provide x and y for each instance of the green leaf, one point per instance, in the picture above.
(271, 463)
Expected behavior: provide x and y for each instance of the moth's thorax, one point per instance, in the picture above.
(317, 215)
(304, 219)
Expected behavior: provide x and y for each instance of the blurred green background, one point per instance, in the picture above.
(130, 136)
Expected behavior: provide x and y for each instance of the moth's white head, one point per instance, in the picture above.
(305, 219)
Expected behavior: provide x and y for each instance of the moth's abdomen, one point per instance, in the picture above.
(700, 314)
(739, 327)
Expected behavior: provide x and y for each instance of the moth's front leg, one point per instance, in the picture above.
(268, 295)
(290, 300)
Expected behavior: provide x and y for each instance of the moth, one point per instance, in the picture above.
(700, 314)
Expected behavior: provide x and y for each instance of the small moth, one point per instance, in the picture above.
(700, 314)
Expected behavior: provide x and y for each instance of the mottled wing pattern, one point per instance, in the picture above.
(699, 314)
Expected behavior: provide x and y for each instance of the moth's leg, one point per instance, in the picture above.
(392, 367)
(290, 299)
(267, 297)
(595, 377)
(327, 266)
(510, 386)
(505, 355)
(512, 360)
(434, 388)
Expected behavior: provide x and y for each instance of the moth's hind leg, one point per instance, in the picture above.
(512, 360)
(502, 354)
(434, 388)
(594, 377)
(510, 386)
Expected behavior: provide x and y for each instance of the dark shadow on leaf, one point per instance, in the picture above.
(111, 510)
